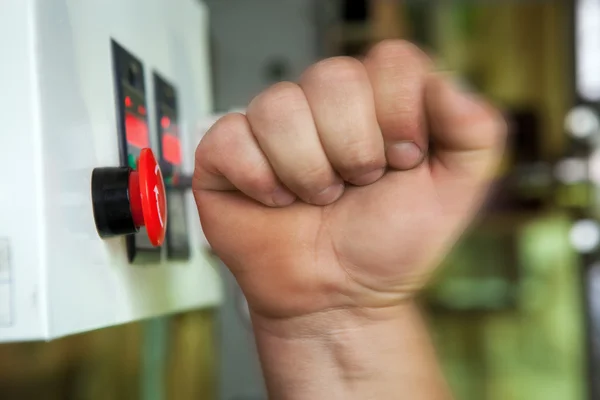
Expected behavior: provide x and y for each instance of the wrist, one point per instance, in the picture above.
(329, 324)
(349, 354)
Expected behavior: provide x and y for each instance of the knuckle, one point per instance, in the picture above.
(200, 149)
(277, 101)
(391, 52)
(224, 133)
(485, 127)
(227, 129)
(346, 69)
(203, 150)
(489, 119)
(231, 120)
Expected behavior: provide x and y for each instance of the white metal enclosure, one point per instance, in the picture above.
(60, 115)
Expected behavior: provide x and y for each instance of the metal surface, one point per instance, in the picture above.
(57, 106)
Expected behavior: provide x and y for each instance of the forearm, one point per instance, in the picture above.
(383, 354)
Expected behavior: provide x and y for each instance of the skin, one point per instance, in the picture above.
(332, 201)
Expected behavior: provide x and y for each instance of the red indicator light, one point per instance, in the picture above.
(171, 149)
(127, 101)
(136, 131)
(142, 110)
(165, 122)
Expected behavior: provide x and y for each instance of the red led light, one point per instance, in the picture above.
(142, 110)
(165, 122)
(127, 101)
(136, 131)
(171, 149)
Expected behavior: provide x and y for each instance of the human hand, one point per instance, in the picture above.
(344, 191)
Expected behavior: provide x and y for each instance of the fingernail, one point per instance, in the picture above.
(368, 178)
(328, 196)
(404, 155)
(282, 196)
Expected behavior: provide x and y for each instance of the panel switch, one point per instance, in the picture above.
(125, 199)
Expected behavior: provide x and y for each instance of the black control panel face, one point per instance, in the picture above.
(167, 122)
(134, 134)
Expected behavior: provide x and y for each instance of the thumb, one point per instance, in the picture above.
(467, 134)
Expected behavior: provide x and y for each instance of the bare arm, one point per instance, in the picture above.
(380, 354)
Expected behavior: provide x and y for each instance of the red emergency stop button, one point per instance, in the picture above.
(124, 199)
(151, 188)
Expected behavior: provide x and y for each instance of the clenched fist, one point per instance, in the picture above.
(343, 191)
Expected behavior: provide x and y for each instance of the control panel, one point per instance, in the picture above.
(169, 143)
(101, 103)
(134, 135)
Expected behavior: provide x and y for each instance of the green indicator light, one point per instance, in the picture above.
(132, 163)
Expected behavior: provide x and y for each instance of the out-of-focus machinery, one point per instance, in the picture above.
(99, 101)
(581, 171)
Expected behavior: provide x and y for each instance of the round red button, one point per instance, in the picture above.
(152, 197)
